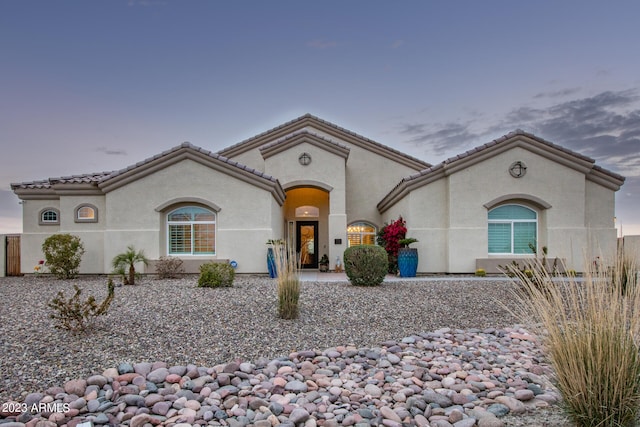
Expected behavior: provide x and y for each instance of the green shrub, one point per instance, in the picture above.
(365, 265)
(124, 264)
(481, 272)
(63, 253)
(76, 315)
(169, 267)
(216, 275)
(288, 281)
(590, 331)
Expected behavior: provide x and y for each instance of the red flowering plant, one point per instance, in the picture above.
(389, 238)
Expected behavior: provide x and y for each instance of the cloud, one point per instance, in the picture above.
(111, 152)
(321, 44)
(605, 126)
(396, 44)
(558, 93)
(439, 138)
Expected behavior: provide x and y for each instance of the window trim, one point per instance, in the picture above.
(511, 222)
(42, 221)
(191, 223)
(365, 223)
(76, 213)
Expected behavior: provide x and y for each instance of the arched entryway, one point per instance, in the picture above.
(306, 212)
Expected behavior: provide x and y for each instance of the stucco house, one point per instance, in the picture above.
(322, 188)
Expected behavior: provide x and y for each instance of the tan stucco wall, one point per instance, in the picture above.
(91, 234)
(369, 178)
(33, 234)
(632, 248)
(326, 171)
(3, 255)
(449, 218)
(243, 224)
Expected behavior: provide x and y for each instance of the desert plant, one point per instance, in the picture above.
(288, 281)
(169, 267)
(216, 275)
(125, 264)
(63, 254)
(404, 243)
(365, 265)
(389, 238)
(590, 331)
(76, 315)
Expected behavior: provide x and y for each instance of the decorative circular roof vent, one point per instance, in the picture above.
(304, 159)
(518, 169)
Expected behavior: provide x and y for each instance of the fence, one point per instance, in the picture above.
(12, 255)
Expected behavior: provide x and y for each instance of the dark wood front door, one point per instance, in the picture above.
(307, 243)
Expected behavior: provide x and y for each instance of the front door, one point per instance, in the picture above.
(307, 243)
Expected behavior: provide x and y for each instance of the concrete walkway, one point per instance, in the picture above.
(316, 276)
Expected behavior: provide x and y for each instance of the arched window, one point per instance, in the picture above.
(86, 213)
(512, 228)
(191, 230)
(49, 216)
(361, 233)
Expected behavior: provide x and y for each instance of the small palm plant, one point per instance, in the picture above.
(126, 261)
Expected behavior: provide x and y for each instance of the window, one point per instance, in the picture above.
(511, 229)
(49, 216)
(361, 233)
(86, 213)
(191, 230)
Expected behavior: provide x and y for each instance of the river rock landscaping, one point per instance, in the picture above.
(408, 353)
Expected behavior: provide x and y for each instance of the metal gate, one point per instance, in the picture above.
(13, 255)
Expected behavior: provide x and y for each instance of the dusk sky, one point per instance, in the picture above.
(90, 86)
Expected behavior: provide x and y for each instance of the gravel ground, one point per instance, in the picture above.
(175, 322)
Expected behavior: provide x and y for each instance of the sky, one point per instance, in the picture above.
(90, 86)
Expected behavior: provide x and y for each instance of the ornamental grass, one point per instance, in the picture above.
(288, 280)
(590, 331)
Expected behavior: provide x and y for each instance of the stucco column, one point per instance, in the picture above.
(337, 226)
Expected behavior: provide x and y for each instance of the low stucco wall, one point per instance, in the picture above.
(3, 255)
(493, 265)
(632, 247)
(190, 266)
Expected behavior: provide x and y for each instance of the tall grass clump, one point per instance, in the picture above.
(590, 330)
(288, 280)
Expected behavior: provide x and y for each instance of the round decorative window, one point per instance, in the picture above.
(518, 169)
(304, 159)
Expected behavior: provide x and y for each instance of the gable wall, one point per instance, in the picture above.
(560, 228)
(325, 167)
(449, 218)
(369, 178)
(243, 224)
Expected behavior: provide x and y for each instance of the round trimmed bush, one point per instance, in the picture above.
(215, 275)
(365, 265)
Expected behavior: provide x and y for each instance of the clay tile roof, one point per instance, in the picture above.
(328, 124)
(81, 179)
(303, 132)
(31, 185)
(189, 146)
